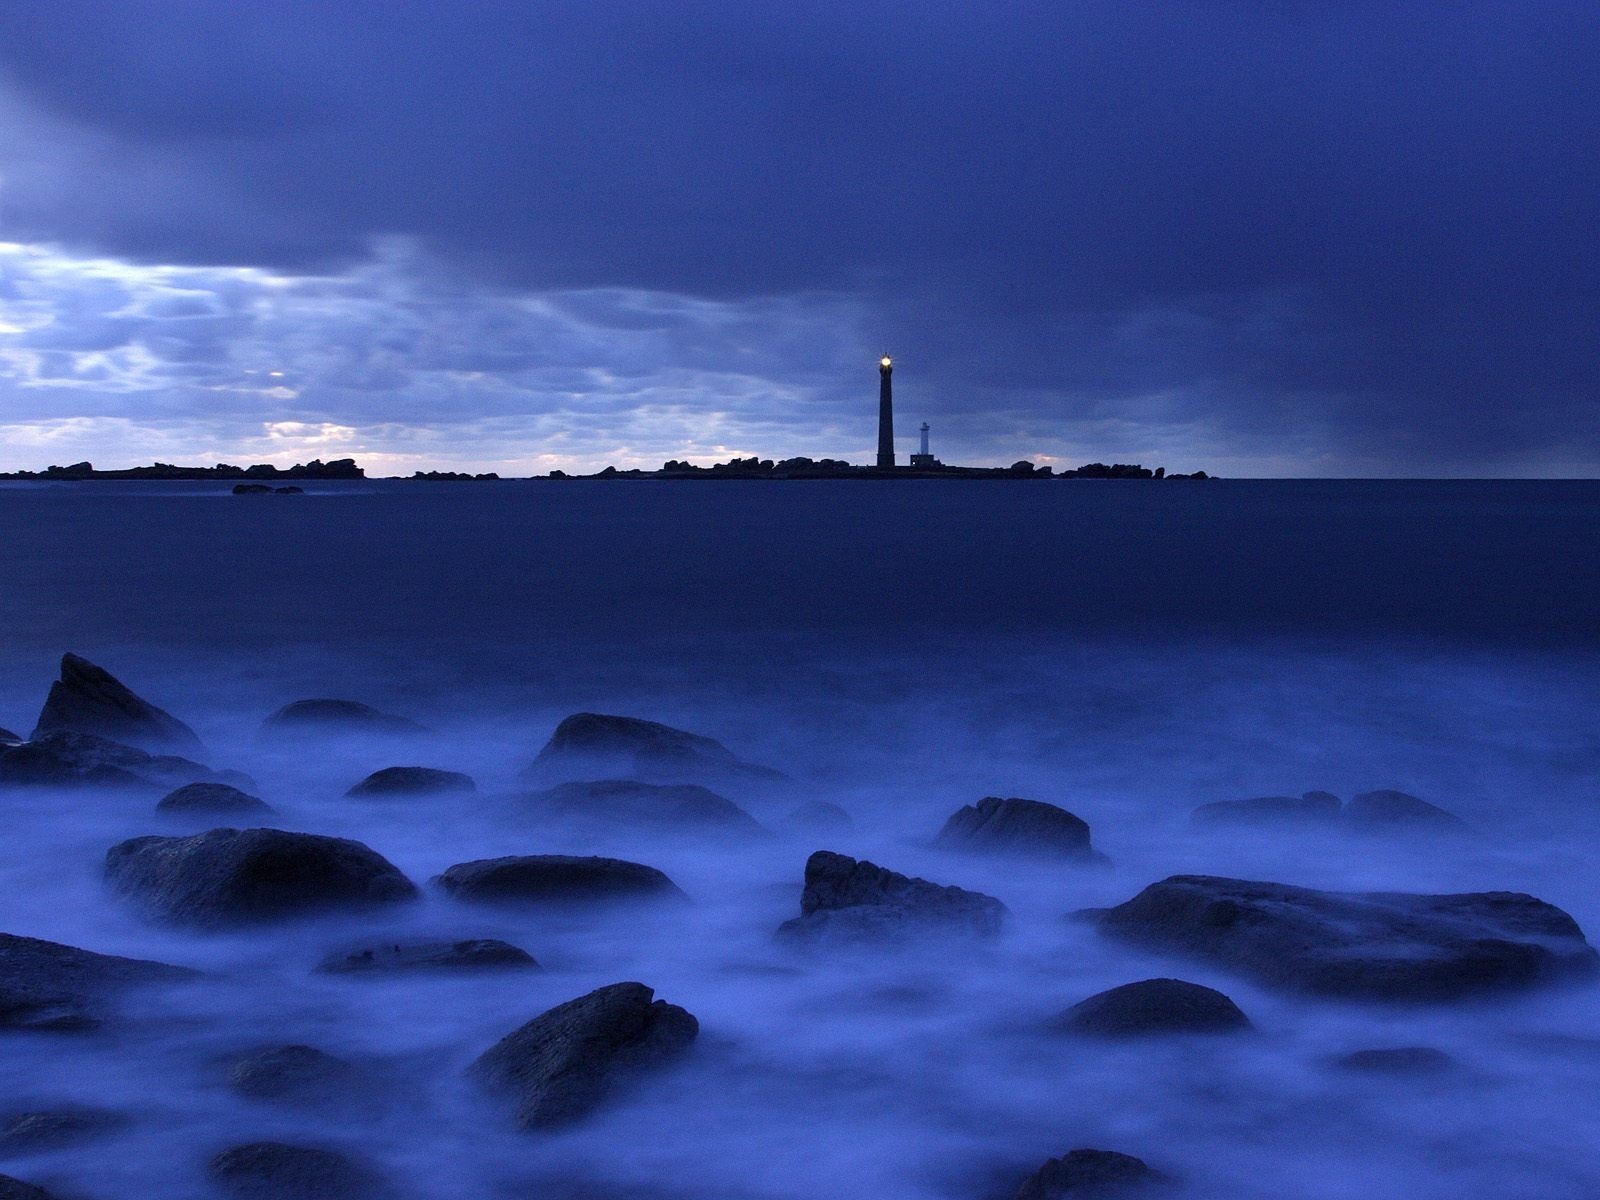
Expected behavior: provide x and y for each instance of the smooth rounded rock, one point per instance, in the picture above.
(556, 879)
(480, 954)
(1091, 1175)
(212, 800)
(280, 1171)
(413, 781)
(1153, 1006)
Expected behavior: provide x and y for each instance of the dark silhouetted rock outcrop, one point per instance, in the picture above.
(15, 1189)
(848, 899)
(561, 1065)
(7, 738)
(1091, 1175)
(1153, 1006)
(45, 985)
(1311, 808)
(596, 745)
(279, 1171)
(625, 802)
(1384, 810)
(293, 1075)
(89, 699)
(234, 876)
(1397, 1060)
(412, 781)
(1013, 826)
(1379, 945)
(479, 954)
(47, 1129)
(89, 760)
(555, 879)
(212, 800)
(335, 716)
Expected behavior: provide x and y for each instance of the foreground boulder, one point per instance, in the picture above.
(89, 699)
(848, 899)
(1028, 827)
(1313, 808)
(560, 1066)
(1153, 1006)
(89, 760)
(1379, 945)
(555, 879)
(234, 876)
(599, 746)
(628, 802)
(336, 716)
(1387, 809)
(212, 800)
(294, 1075)
(279, 1171)
(1091, 1175)
(48, 986)
(412, 781)
(480, 954)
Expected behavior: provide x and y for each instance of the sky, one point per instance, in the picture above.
(1275, 238)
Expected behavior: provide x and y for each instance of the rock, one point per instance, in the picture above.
(629, 802)
(561, 1065)
(818, 816)
(476, 955)
(1379, 945)
(211, 800)
(555, 879)
(847, 899)
(1311, 808)
(1397, 1060)
(251, 489)
(15, 1189)
(1001, 826)
(48, 986)
(88, 760)
(88, 699)
(1384, 810)
(1153, 1006)
(597, 745)
(412, 781)
(295, 1075)
(233, 876)
(336, 716)
(1089, 1175)
(278, 1171)
(46, 1129)
(7, 738)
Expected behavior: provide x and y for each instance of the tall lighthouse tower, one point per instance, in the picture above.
(885, 413)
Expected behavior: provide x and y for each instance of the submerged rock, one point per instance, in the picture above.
(1090, 1175)
(1397, 1060)
(295, 1075)
(596, 744)
(1015, 826)
(1154, 1006)
(49, 986)
(278, 1171)
(46, 1129)
(849, 899)
(89, 699)
(629, 802)
(15, 1189)
(233, 876)
(1311, 808)
(561, 1065)
(1379, 945)
(89, 760)
(212, 800)
(818, 816)
(480, 954)
(412, 781)
(1387, 809)
(555, 879)
(336, 716)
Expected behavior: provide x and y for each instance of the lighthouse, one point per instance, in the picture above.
(885, 413)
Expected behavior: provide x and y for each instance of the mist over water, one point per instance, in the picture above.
(1127, 651)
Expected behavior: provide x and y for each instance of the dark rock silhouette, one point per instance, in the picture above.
(1380, 945)
(261, 489)
(555, 879)
(89, 699)
(212, 800)
(293, 1075)
(1029, 827)
(1397, 1060)
(1386, 809)
(233, 876)
(47, 1129)
(49, 986)
(7, 738)
(818, 816)
(1370, 812)
(561, 1065)
(848, 899)
(412, 781)
(474, 955)
(279, 1171)
(1311, 808)
(630, 802)
(1091, 1175)
(336, 716)
(1153, 1006)
(598, 745)
(65, 759)
(15, 1189)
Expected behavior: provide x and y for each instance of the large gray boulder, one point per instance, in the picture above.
(845, 899)
(89, 699)
(1313, 808)
(1153, 1006)
(234, 876)
(49, 986)
(477, 954)
(1378, 945)
(628, 802)
(1021, 827)
(556, 879)
(413, 781)
(64, 759)
(279, 1171)
(1091, 1175)
(598, 746)
(561, 1065)
(335, 716)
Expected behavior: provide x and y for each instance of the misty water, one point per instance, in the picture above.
(1126, 650)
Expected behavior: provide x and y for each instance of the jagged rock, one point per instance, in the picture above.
(1090, 1175)
(1154, 1006)
(1397, 1060)
(278, 1171)
(48, 986)
(555, 879)
(412, 781)
(89, 760)
(294, 1075)
(476, 955)
(846, 899)
(15, 1189)
(1014, 826)
(46, 1129)
(561, 1065)
(818, 816)
(1380, 945)
(1382, 810)
(89, 699)
(629, 802)
(1311, 808)
(233, 876)
(212, 800)
(598, 745)
(336, 716)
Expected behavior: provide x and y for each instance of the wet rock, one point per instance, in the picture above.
(15, 1189)
(294, 1075)
(1153, 1006)
(49, 986)
(555, 879)
(1384, 810)
(278, 1171)
(629, 802)
(1397, 1060)
(1015, 826)
(412, 781)
(47, 1129)
(89, 699)
(336, 716)
(1090, 1175)
(212, 800)
(818, 816)
(1312, 808)
(561, 1065)
(480, 954)
(88, 760)
(1379, 945)
(598, 745)
(848, 899)
(233, 876)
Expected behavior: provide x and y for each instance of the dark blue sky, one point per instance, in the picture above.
(1263, 238)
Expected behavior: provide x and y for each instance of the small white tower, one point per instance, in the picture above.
(925, 459)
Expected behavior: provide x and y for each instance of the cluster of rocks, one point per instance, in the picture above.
(1381, 811)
